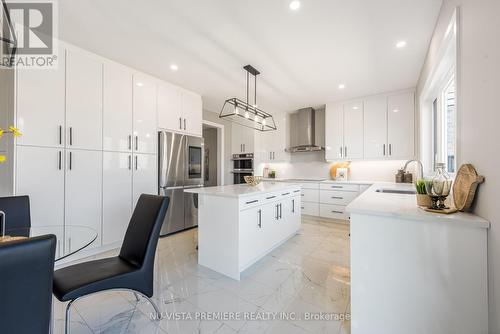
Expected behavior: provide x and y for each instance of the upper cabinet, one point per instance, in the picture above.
(353, 130)
(271, 145)
(377, 127)
(40, 105)
(242, 139)
(83, 101)
(117, 111)
(179, 110)
(144, 114)
(193, 113)
(401, 125)
(169, 107)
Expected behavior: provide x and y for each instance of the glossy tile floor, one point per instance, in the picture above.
(307, 275)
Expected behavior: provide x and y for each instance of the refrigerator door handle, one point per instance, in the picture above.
(162, 162)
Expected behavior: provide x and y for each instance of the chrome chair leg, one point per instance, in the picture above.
(67, 323)
(150, 301)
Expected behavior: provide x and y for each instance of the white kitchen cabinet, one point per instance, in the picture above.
(83, 192)
(375, 127)
(170, 107)
(252, 235)
(144, 111)
(291, 214)
(40, 175)
(192, 111)
(401, 125)
(242, 139)
(271, 145)
(117, 109)
(353, 130)
(334, 131)
(145, 176)
(83, 101)
(40, 105)
(116, 196)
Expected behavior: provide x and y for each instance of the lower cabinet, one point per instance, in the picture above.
(83, 191)
(145, 176)
(264, 227)
(116, 195)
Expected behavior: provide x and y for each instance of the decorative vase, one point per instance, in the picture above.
(424, 200)
(438, 187)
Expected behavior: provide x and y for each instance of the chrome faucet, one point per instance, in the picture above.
(417, 161)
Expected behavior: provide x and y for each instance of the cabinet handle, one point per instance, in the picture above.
(270, 197)
(71, 135)
(260, 219)
(251, 202)
(130, 142)
(180, 123)
(337, 197)
(293, 205)
(184, 124)
(129, 162)
(334, 211)
(390, 149)
(345, 151)
(243, 147)
(274, 157)
(277, 214)
(302, 207)
(136, 162)
(137, 143)
(384, 149)
(296, 191)
(270, 155)
(337, 187)
(70, 160)
(285, 194)
(60, 134)
(302, 195)
(59, 163)
(341, 151)
(281, 210)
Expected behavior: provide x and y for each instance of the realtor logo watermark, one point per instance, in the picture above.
(28, 30)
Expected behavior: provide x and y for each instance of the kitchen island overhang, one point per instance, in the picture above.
(240, 224)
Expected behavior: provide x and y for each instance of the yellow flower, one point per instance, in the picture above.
(15, 131)
(3, 158)
(1, 133)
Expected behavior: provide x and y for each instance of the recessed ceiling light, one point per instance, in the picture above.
(355, 108)
(294, 5)
(341, 86)
(174, 67)
(401, 44)
(139, 84)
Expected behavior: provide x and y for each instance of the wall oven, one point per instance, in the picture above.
(242, 166)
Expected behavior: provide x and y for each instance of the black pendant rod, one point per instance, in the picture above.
(247, 89)
(255, 94)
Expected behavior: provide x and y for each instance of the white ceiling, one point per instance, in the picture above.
(303, 55)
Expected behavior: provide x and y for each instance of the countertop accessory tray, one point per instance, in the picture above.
(465, 186)
(446, 211)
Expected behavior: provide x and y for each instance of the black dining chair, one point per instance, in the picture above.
(132, 270)
(15, 215)
(26, 271)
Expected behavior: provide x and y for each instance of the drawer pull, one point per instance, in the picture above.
(251, 202)
(337, 187)
(270, 197)
(337, 197)
(302, 195)
(302, 207)
(333, 211)
(285, 194)
(296, 191)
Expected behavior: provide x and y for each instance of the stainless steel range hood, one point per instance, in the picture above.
(307, 131)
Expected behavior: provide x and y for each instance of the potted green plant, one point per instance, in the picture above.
(423, 199)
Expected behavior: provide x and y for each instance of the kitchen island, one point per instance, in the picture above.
(414, 271)
(240, 224)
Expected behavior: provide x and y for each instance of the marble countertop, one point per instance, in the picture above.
(241, 190)
(314, 180)
(404, 206)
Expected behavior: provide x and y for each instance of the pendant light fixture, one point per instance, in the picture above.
(240, 112)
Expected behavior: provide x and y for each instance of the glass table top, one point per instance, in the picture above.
(70, 238)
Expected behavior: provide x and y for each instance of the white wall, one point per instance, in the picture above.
(313, 165)
(478, 114)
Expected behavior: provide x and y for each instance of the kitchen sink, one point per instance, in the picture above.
(397, 191)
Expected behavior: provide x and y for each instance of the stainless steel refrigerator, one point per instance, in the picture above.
(180, 163)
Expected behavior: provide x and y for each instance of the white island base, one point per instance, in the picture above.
(240, 224)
